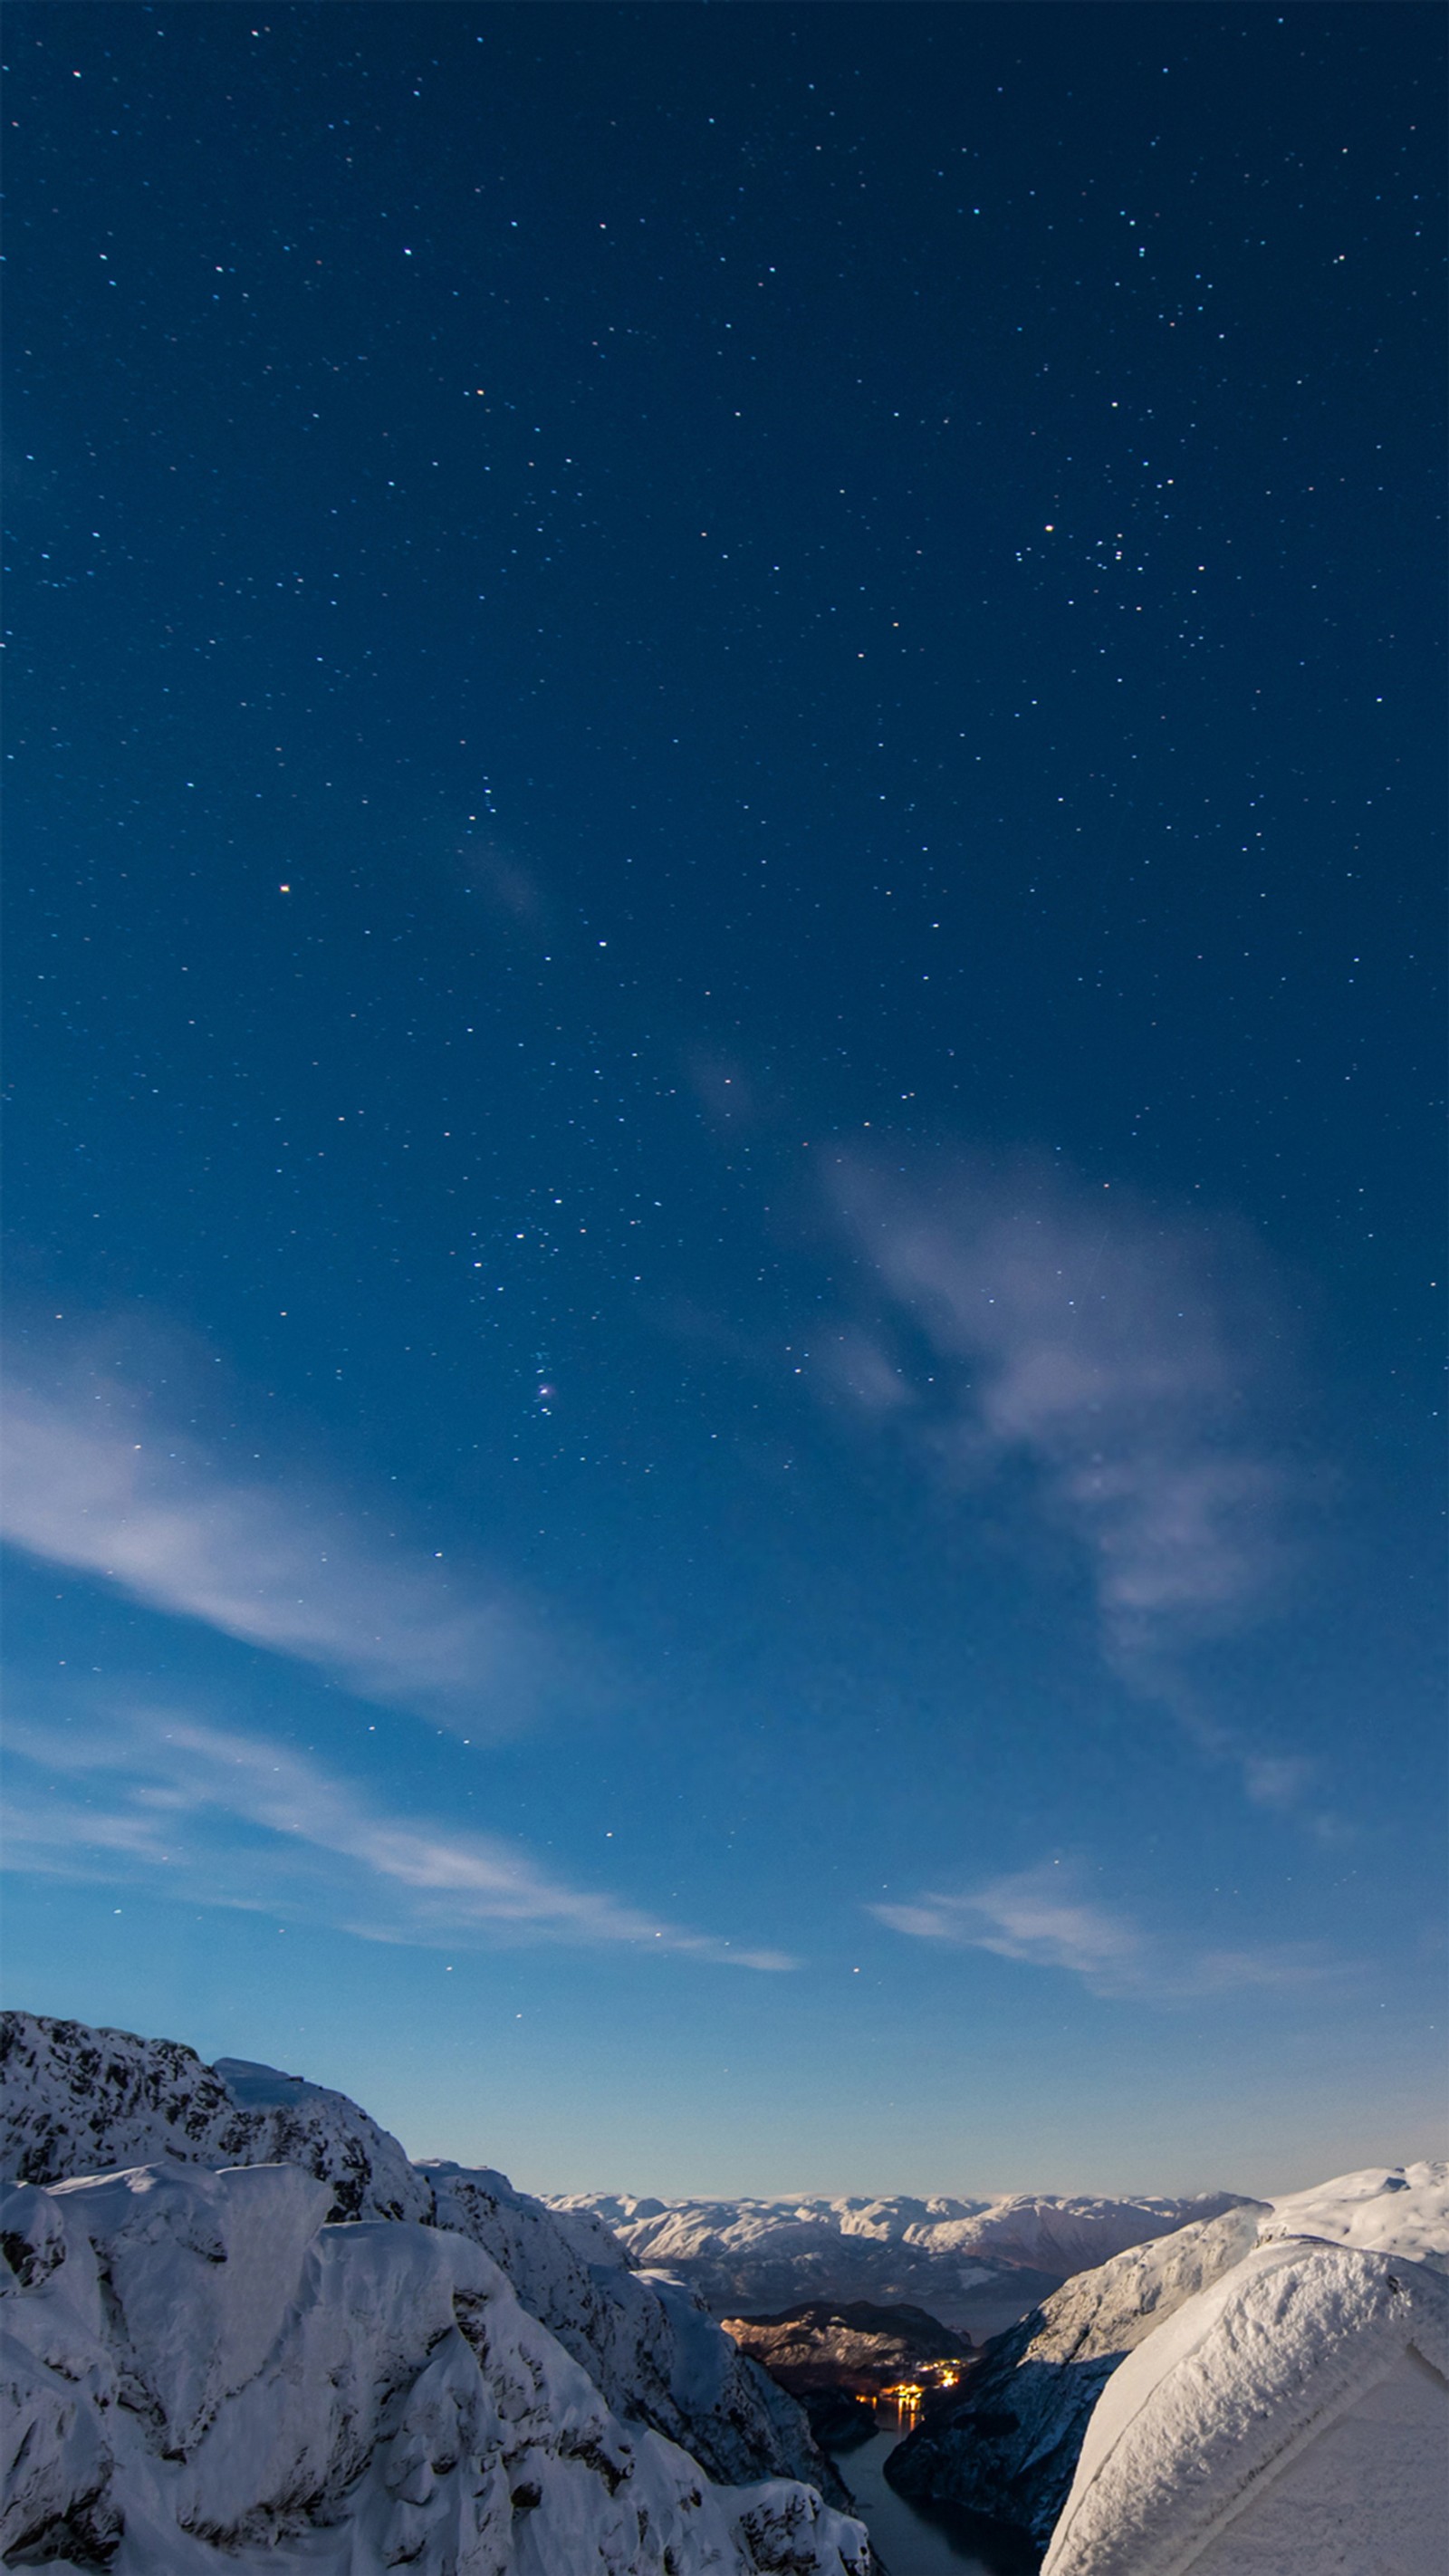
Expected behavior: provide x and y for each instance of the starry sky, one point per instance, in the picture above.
(725, 1074)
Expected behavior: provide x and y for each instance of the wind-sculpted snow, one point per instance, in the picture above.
(1388, 2209)
(1010, 2447)
(1319, 2369)
(78, 2101)
(201, 2374)
(955, 2258)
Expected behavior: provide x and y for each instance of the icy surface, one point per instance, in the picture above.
(753, 2255)
(200, 2373)
(1010, 2448)
(79, 2101)
(1236, 2389)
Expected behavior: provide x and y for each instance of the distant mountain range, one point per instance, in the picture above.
(978, 2265)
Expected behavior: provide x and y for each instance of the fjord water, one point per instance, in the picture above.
(913, 2539)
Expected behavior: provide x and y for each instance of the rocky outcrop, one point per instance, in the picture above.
(202, 2376)
(77, 2101)
(860, 2348)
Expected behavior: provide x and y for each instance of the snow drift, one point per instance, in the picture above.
(1293, 2417)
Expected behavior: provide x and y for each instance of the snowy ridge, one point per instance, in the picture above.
(745, 2255)
(1020, 2228)
(1010, 2449)
(1233, 2386)
(81, 2101)
(1390, 2209)
(201, 2374)
(78, 2101)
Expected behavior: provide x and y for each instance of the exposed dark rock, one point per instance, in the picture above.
(839, 2421)
(860, 2347)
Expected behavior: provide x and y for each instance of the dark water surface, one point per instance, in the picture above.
(921, 2539)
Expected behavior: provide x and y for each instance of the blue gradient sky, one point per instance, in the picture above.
(724, 1353)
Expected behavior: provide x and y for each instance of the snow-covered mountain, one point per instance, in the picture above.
(1292, 2418)
(1009, 2448)
(82, 2101)
(200, 2374)
(76, 2102)
(962, 2260)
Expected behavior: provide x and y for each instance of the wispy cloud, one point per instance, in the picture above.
(95, 1484)
(225, 1817)
(1034, 1916)
(1040, 1917)
(1124, 1359)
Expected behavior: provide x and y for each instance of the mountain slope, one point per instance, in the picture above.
(858, 2347)
(1010, 2447)
(200, 2374)
(77, 2101)
(1292, 2417)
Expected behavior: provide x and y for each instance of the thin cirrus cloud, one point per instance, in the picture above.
(1120, 1358)
(93, 1484)
(224, 1817)
(1040, 1917)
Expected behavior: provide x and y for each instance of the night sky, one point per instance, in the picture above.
(726, 1076)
